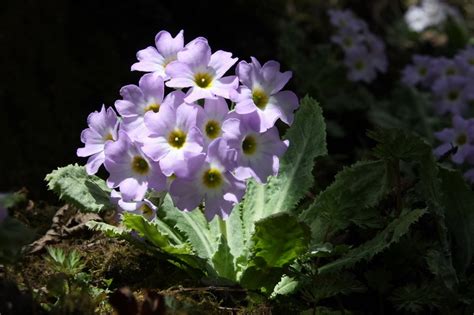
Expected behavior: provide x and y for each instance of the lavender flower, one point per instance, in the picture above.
(131, 170)
(156, 60)
(257, 153)
(359, 65)
(348, 38)
(420, 72)
(137, 101)
(202, 72)
(210, 119)
(211, 182)
(345, 19)
(465, 61)
(460, 136)
(448, 93)
(103, 127)
(143, 207)
(173, 137)
(443, 67)
(261, 93)
(364, 52)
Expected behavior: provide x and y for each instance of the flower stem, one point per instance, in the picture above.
(222, 227)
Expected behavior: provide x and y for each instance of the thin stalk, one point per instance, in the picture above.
(222, 227)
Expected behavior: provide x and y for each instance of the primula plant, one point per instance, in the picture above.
(197, 167)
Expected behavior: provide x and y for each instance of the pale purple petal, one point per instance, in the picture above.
(168, 46)
(221, 61)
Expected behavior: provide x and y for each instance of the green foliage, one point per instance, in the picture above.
(286, 286)
(151, 232)
(73, 185)
(416, 299)
(391, 234)
(69, 282)
(13, 236)
(62, 262)
(326, 286)
(279, 239)
(458, 200)
(347, 199)
(11, 200)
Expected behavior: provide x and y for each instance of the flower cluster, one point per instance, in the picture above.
(189, 130)
(451, 82)
(364, 53)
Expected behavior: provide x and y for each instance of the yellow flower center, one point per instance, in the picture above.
(471, 61)
(453, 95)
(359, 65)
(177, 138)
(109, 137)
(212, 178)
(203, 79)
(213, 129)
(461, 139)
(153, 107)
(146, 210)
(260, 98)
(140, 165)
(450, 71)
(249, 145)
(422, 71)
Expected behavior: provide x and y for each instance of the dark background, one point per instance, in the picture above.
(61, 60)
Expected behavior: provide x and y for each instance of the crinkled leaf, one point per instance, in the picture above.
(458, 201)
(223, 261)
(193, 225)
(151, 232)
(108, 229)
(233, 231)
(279, 239)
(347, 199)
(286, 286)
(390, 235)
(73, 185)
(324, 286)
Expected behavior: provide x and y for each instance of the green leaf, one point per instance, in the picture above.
(323, 286)
(223, 261)
(458, 202)
(441, 267)
(286, 286)
(263, 279)
(233, 231)
(353, 191)
(279, 239)
(12, 200)
(109, 230)
(151, 232)
(390, 235)
(402, 145)
(73, 185)
(193, 225)
(416, 299)
(13, 236)
(307, 139)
